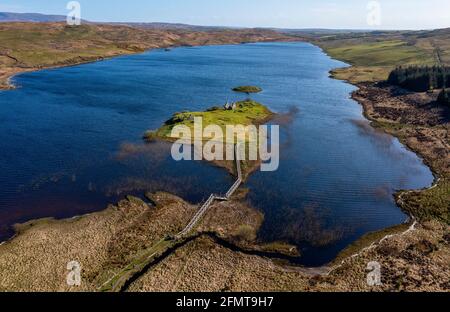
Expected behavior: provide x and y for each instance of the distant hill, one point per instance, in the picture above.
(30, 17)
(45, 18)
(171, 26)
(319, 31)
(28, 45)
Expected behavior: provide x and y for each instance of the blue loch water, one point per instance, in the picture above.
(70, 142)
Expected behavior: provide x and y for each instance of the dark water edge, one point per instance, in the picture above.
(325, 196)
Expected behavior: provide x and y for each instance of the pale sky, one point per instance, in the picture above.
(337, 14)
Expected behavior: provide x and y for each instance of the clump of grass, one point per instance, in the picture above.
(281, 247)
(247, 89)
(245, 233)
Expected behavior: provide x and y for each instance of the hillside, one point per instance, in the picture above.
(171, 26)
(374, 54)
(30, 17)
(31, 46)
(8, 17)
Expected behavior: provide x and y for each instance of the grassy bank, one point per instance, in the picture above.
(376, 59)
(373, 61)
(374, 56)
(367, 240)
(429, 204)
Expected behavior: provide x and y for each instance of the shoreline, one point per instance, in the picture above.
(412, 221)
(375, 124)
(11, 86)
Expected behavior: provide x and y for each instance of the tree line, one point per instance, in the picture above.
(420, 78)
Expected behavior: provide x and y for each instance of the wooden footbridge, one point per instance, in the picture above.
(204, 208)
(118, 280)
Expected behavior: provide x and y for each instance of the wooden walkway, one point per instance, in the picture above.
(204, 208)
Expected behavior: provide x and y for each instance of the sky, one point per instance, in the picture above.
(336, 14)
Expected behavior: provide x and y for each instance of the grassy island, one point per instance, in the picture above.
(244, 113)
(247, 89)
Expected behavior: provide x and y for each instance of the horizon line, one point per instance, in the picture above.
(350, 29)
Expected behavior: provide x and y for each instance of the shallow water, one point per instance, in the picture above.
(70, 142)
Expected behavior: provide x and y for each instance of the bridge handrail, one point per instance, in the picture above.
(213, 197)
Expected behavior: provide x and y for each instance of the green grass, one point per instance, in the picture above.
(373, 61)
(48, 46)
(248, 112)
(247, 89)
(385, 53)
(357, 74)
(136, 265)
(281, 247)
(430, 204)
